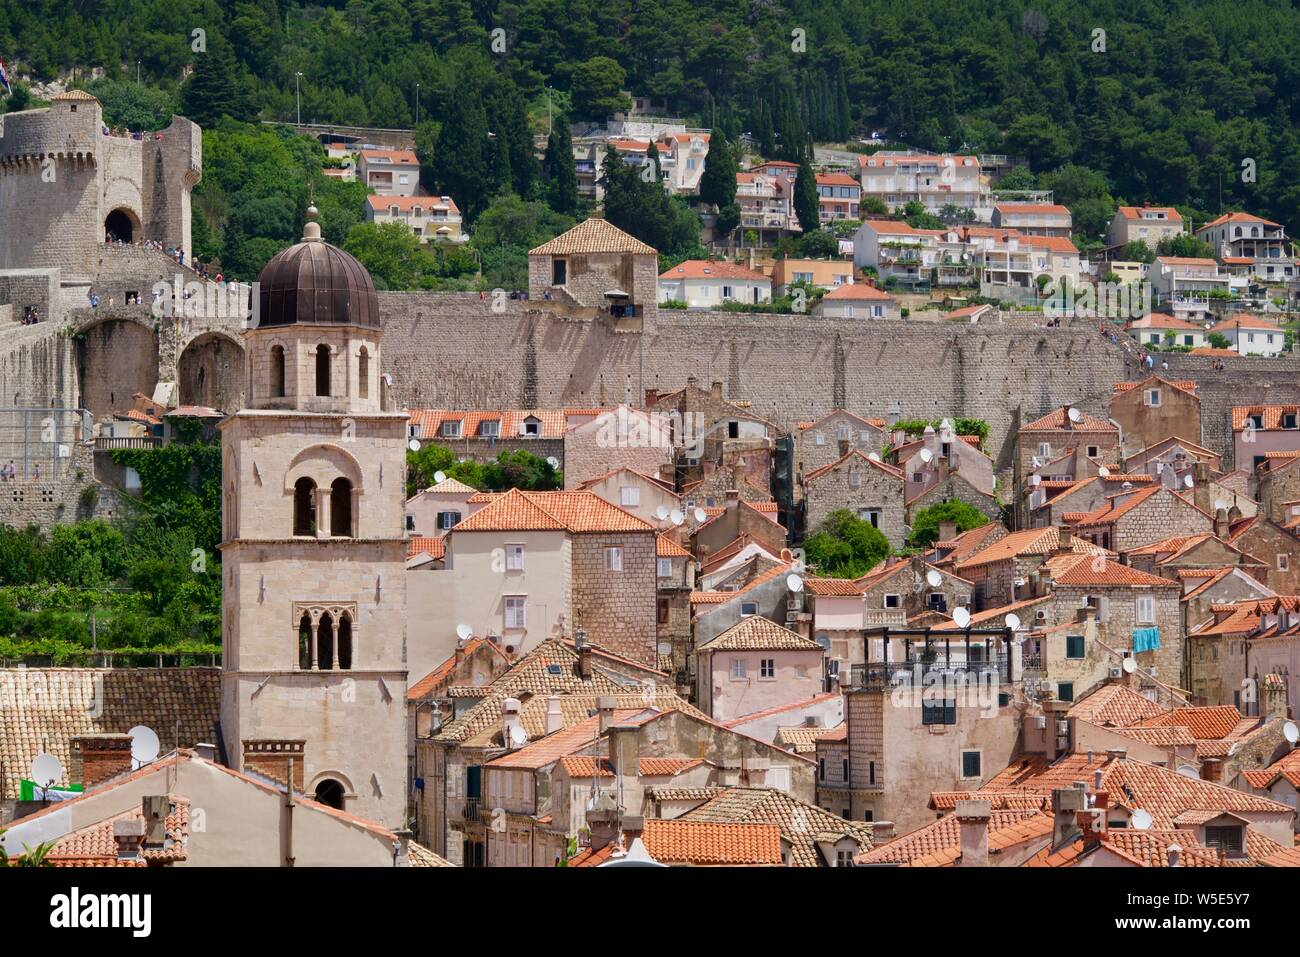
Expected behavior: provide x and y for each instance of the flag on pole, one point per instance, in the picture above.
(4, 78)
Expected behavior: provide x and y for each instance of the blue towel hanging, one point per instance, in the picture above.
(1146, 639)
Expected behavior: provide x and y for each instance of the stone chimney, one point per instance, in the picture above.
(1174, 854)
(1201, 490)
(691, 380)
(882, 832)
(1273, 696)
(154, 808)
(625, 749)
(651, 397)
(1064, 541)
(208, 752)
(1220, 522)
(102, 756)
(128, 835)
(605, 706)
(1212, 769)
(715, 389)
(973, 820)
(733, 497)
(554, 716)
(584, 661)
(947, 531)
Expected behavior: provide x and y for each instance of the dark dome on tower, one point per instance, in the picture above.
(314, 283)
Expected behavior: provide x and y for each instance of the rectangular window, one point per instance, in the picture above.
(1225, 839)
(738, 668)
(451, 430)
(855, 478)
(1065, 691)
(490, 428)
(871, 772)
(663, 611)
(448, 520)
(821, 769)
(970, 764)
(871, 515)
(938, 711)
(767, 667)
(1288, 420)
(892, 601)
(1093, 451)
(559, 272)
(1074, 646)
(665, 567)
(1146, 610)
(614, 559)
(516, 611)
(748, 608)
(1283, 562)
(514, 558)
(629, 496)
(1153, 397)
(845, 770)
(1044, 450)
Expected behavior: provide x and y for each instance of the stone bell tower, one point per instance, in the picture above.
(313, 543)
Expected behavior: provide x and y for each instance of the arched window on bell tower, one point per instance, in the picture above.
(341, 508)
(325, 643)
(363, 374)
(304, 507)
(277, 372)
(304, 643)
(322, 369)
(345, 642)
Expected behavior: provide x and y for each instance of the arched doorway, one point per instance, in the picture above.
(120, 226)
(116, 358)
(330, 793)
(211, 372)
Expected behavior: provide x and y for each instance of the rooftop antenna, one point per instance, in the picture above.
(144, 745)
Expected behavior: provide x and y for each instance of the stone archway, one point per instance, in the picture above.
(116, 358)
(121, 225)
(211, 372)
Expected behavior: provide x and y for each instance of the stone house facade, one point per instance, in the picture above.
(820, 443)
(872, 490)
(1153, 409)
(598, 270)
(1047, 437)
(619, 438)
(755, 665)
(1136, 518)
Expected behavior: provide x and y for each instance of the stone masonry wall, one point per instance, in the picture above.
(875, 489)
(617, 609)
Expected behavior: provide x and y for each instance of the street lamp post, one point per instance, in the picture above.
(137, 72)
(297, 93)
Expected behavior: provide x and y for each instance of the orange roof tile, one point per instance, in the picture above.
(709, 842)
(1058, 420)
(712, 269)
(574, 511)
(593, 236)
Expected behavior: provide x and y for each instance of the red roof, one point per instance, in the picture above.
(858, 290)
(712, 269)
(575, 511)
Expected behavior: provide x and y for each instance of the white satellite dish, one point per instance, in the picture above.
(46, 769)
(1291, 732)
(552, 461)
(1013, 622)
(961, 616)
(676, 516)
(1103, 472)
(1187, 771)
(700, 514)
(1129, 666)
(926, 455)
(144, 744)
(1074, 414)
(518, 736)
(464, 632)
(794, 583)
(413, 445)
(1188, 481)
(934, 578)
(873, 456)
(661, 512)
(1142, 820)
(439, 477)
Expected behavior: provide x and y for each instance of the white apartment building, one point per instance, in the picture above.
(703, 284)
(1260, 247)
(434, 219)
(1183, 285)
(389, 172)
(1148, 224)
(1034, 219)
(935, 181)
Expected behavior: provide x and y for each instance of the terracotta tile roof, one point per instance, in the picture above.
(82, 847)
(552, 423)
(665, 547)
(552, 747)
(832, 587)
(712, 843)
(756, 633)
(1160, 320)
(589, 858)
(1150, 848)
(1244, 320)
(1114, 705)
(802, 739)
(1211, 722)
(43, 709)
(712, 269)
(1094, 570)
(1185, 261)
(1237, 217)
(1160, 737)
(381, 204)
(574, 511)
(1119, 505)
(800, 823)
(1058, 421)
(876, 424)
(1030, 541)
(432, 545)
(1286, 768)
(753, 716)
(1221, 353)
(939, 843)
(593, 236)
(440, 675)
(1182, 385)
(421, 856)
(1057, 244)
(1272, 415)
(721, 597)
(969, 541)
(1135, 212)
(994, 615)
(857, 290)
(400, 157)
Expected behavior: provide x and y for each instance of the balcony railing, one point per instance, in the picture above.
(878, 676)
(128, 442)
(471, 810)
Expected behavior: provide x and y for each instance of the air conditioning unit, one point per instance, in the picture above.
(1040, 614)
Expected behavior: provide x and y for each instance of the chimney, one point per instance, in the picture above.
(154, 808)
(584, 661)
(733, 498)
(651, 397)
(882, 832)
(1116, 754)
(1211, 769)
(1066, 804)
(1201, 490)
(973, 820)
(208, 752)
(1274, 696)
(715, 389)
(691, 380)
(554, 716)
(1173, 853)
(1064, 540)
(605, 705)
(510, 709)
(128, 835)
(843, 447)
(625, 749)
(947, 531)
(1220, 523)
(102, 756)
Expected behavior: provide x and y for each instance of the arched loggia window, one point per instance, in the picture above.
(345, 643)
(325, 643)
(341, 508)
(304, 643)
(322, 370)
(304, 507)
(277, 372)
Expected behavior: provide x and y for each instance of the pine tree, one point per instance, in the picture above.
(561, 173)
(718, 181)
(461, 154)
(806, 205)
(217, 87)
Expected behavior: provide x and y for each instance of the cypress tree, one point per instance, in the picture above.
(718, 182)
(561, 173)
(806, 206)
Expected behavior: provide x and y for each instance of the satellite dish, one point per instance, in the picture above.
(46, 769)
(676, 516)
(1291, 732)
(144, 745)
(661, 512)
(934, 578)
(552, 461)
(413, 445)
(1013, 622)
(873, 456)
(794, 583)
(824, 642)
(518, 736)
(961, 616)
(439, 477)
(1103, 472)
(1129, 666)
(1142, 820)
(1074, 414)
(1187, 771)
(926, 455)
(1188, 481)
(464, 631)
(700, 514)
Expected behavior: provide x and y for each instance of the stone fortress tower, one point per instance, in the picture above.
(64, 183)
(313, 544)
